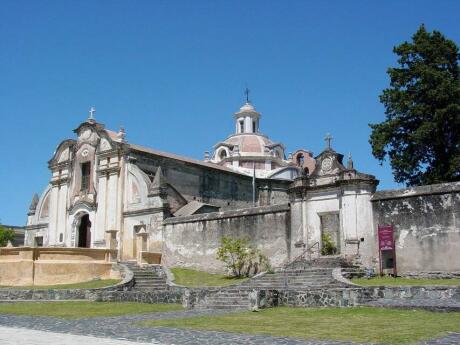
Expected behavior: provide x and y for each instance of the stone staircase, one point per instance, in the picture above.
(146, 278)
(295, 279)
(298, 278)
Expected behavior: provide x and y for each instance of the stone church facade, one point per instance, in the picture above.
(106, 192)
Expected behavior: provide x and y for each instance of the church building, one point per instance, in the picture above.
(105, 192)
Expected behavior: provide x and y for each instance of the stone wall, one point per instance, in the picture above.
(426, 220)
(192, 241)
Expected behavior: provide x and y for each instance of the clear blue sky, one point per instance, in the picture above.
(173, 72)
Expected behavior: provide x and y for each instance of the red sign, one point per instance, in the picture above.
(386, 241)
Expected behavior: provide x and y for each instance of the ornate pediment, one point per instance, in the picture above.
(63, 153)
(105, 145)
(328, 163)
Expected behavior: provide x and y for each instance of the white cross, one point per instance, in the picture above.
(92, 110)
(328, 139)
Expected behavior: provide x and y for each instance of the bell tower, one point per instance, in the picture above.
(247, 118)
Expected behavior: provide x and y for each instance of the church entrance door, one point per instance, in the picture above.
(330, 234)
(84, 232)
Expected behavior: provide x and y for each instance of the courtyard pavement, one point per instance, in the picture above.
(29, 330)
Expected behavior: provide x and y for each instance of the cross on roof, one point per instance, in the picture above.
(246, 92)
(328, 140)
(92, 110)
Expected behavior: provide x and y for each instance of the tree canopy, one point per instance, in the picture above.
(421, 131)
(5, 235)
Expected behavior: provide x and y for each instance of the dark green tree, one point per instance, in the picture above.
(421, 132)
(5, 235)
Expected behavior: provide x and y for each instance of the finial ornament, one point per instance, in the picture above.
(246, 92)
(328, 140)
(350, 162)
(92, 110)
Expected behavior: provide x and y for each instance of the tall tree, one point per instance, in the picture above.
(421, 132)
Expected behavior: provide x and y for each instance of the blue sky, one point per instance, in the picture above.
(173, 72)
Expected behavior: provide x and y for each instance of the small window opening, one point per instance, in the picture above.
(223, 154)
(85, 175)
(300, 159)
(241, 127)
(61, 237)
(39, 241)
(254, 128)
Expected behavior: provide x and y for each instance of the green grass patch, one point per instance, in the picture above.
(398, 281)
(79, 310)
(192, 278)
(359, 324)
(85, 285)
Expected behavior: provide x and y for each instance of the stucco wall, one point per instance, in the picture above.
(193, 241)
(426, 220)
(218, 187)
(46, 266)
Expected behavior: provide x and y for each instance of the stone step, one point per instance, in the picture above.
(150, 279)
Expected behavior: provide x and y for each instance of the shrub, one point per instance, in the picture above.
(240, 258)
(5, 235)
(327, 246)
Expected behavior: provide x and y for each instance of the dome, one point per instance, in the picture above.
(247, 110)
(247, 107)
(249, 143)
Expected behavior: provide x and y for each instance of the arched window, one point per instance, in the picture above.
(300, 159)
(222, 154)
(241, 126)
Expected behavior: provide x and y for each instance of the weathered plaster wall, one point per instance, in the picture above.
(216, 186)
(193, 241)
(426, 220)
(48, 266)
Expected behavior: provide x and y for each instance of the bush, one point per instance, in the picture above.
(327, 246)
(5, 235)
(240, 258)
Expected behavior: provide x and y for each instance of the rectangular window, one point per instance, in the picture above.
(39, 241)
(85, 175)
(241, 127)
(254, 129)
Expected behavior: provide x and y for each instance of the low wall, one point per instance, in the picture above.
(192, 241)
(25, 266)
(426, 220)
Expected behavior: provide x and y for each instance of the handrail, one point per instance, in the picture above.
(305, 251)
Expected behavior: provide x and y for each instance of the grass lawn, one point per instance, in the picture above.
(359, 324)
(192, 278)
(85, 285)
(79, 310)
(390, 281)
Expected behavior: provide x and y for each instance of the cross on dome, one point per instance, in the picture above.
(92, 110)
(246, 92)
(328, 140)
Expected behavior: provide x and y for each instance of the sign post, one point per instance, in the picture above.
(387, 248)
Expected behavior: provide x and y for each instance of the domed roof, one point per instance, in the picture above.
(249, 143)
(247, 109)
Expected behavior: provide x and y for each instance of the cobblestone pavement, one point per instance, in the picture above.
(14, 336)
(123, 329)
